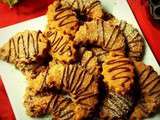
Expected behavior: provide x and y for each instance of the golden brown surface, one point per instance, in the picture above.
(89, 61)
(135, 41)
(63, 108)
(149, 100)
(62, 47)
(102, 34)
(62, 18)
(36, 104)
(118, 72)
(31, 70)
(100, 54)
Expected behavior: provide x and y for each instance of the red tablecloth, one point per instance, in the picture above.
(150, 28)
(33, 8)
(25, 10)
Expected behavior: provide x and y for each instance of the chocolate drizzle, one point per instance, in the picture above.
(89, 61)
(108, 43)
(149, 99)
(73, 81)
(59, 43)
(134, 40)
(104, 35)
(60, 108)
(150, 82)
(77, 84)
(62, 17)
(21, 47)
(82, 8)
(120, 64)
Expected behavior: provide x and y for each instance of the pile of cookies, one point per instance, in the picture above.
(87, 64)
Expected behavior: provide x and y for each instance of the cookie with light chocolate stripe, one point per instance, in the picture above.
(62, 46)
(149, 101)
(102, 34)
(135, 41)
(116, 107)
(61, 107)
(25, 47)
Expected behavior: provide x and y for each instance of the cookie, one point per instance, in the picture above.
(118, 72)
(115, 107)
(89, 61)
(135, 41)
(25, 47)
(62, 18)
(63, 108)
(31, 70)
(149, 100)
(102, 34)
(100, 54)
(24, 50)
(75, 80)
(77, 83)
(36, 105)
(62, 47)
(85, 10)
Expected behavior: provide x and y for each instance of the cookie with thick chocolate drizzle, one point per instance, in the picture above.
(62, 18)
(85, 9)
(102, 34)
(61, 107)
(61, 46)
(64, 108)
(75, 81)
(24, 50)
(149, 100)
(135, 41)
(118, 72)
(25, 47)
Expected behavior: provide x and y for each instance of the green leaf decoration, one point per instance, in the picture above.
(12, 2)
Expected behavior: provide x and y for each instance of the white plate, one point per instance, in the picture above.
(15, 82)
